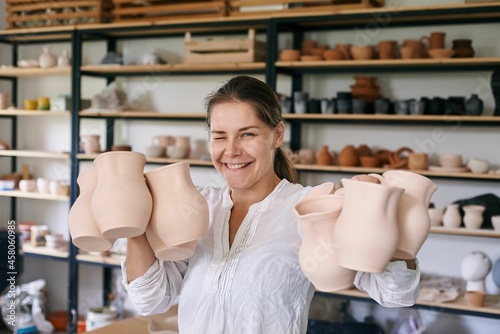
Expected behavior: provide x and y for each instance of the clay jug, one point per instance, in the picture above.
(366, 234)
(317, 216)
(435, 40)
(387, 49)
(85, 233)
(416, 45)
(121, 202)
(413, 218)
(180, 212)
(348, 156)
(174, 253)
(452, 217)
(324, 158)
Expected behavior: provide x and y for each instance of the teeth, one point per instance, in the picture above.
(235, 166)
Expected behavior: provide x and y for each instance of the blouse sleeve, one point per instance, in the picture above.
(397, 286)
(158, 289)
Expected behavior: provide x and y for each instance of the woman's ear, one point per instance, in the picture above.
(279, 133)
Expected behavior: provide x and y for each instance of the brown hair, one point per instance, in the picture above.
(267, 107)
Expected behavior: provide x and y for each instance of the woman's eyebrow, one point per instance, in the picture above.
(240, 130)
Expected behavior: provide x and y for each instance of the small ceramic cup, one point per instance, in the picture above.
(478, 166)
(418, 161)
(27, 185)
(450, 160)
(475, 298)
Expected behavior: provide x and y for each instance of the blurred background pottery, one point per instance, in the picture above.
(333, 54)
(436, 40)
(463, 48)
(474, 269)
(90, 143)
(387, 49)
(290, 55)
(436, 216)
(478, 166)
(407, 52)
(441, 53)
(362, 52)
(473, 216)
(27, 185)
(450, 160)
(154, 151)
(47, 59)
(452, 217)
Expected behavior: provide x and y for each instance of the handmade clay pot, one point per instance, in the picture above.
(4, 101)
(63, 59)
(290, 55)
(474, 269)
(417, 46)
(348, 156)
(418, 161)
(387, 49)
(83, 228)
(90, 143)
(473, 216)
(345, 49)
(412, 216)
(407, 52)
(121, 202)
(463, 48)
(47, 59)
(435, 40)
(180, 212)
(366, 233)
(174, 253)
(452, 217)
(317, 216)
(436, 216)
(362, 52)
(324, 158)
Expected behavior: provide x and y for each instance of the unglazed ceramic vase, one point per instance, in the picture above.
(317, 216)
(473, 216)
(180, 212)
(366, 235)
(474, 269)
(414, 222)
(122, 203)
(90, 143)
(174, 253)
(85, 233)
(452, 217)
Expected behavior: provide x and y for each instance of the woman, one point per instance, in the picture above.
(244, 277)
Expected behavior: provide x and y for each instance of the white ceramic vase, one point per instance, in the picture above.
(85, 233)
(474, 269)
(413, 216)
(317, 216)
(473, 216)
(452, 217)
(47, 59)
(180, 213)
(366, 235)
(121, 202)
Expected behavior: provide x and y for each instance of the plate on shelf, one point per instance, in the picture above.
(448, 169)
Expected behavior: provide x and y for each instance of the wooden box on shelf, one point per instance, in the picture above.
(158, 10)
(259, 7)
(45, 13)
(224, 51)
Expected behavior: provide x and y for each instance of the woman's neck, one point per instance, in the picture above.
(253, 195)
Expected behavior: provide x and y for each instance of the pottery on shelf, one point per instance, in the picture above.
(317, 216)
(436, 216)
(417, 46)
(463, 48)
(121, 202)
(452, 217)
(362, 52)
(473, 216)
(436, 40)
(290, 55)
(348, 156)
(324, 157)
(474, 269)
(412, 216)
(366, 234)
(180, 213)
(64, 59)
(47, 59)
(387, 49)
(441, 53)
(84, 231)
(90, 143)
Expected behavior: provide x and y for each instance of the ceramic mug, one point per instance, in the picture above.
(418, 161)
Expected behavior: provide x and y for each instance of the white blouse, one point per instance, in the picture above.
(256, 286)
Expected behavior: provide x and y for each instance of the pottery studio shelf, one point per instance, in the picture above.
(44, 252)
(33, 195)
(487, 233)
(100, 260)
(17, 72)
(166, 161)
(142, 115)
(34, 154)
(23, 112)
(459, 306)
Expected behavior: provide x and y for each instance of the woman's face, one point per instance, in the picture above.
(242, 146)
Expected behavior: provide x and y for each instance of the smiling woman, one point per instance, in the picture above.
(245, 276)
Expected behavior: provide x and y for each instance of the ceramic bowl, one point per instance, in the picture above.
(478, 166)
(333, 54)
(290, 55)
(154, 151)
(362, 52)
(450, 160)
(441, 53)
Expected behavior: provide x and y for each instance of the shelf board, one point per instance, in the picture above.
(29, 249)
(97, 259)
(23, 112)
(192, 162)
(170, 68)
(466, 231)
(32, 195)
(142, 114)
(34, 34)
(492, 307)
(17, 72)
(34, 154)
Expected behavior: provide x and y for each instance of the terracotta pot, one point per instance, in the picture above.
(369, 161)
(180, 212)
(413, 216)
(417, 46)
(85, 234)
(290, 55)
(418, 161)
(407, 52)
(362, 52)
(345, 49)
(435, 40)
(348, 156)
(387, 49)
(307, 46)
(121, 202)
(317, 216)
(475, 298)
(366, 234)
(333, 54)
(324, 158)
(463, 48)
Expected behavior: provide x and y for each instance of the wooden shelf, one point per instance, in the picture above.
(466, 231)
(44, 251)
(192, 162)
(97, 259)
(32, 195)
(492, 307)
(34, 154)
(23, 112)
(18, 72)
(170, 68)
(142, 114)
(34, 34)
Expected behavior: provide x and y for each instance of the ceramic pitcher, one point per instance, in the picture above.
(413, 215)
(180, 212)
(121, 202)
(366, 235)
(317, 216)
(85, 233)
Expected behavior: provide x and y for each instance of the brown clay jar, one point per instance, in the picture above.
(463, 48)
(348, 156)
(324, 158)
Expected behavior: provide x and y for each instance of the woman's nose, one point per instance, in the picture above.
(232, 148)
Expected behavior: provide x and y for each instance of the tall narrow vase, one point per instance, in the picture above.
(180, 213)
(413, 215)
(366, 234)
(317, 216)
(121, 202)
(85, 233)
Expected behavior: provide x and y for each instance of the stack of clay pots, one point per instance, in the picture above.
(365, 88)
(118, 200)
(362, 226)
